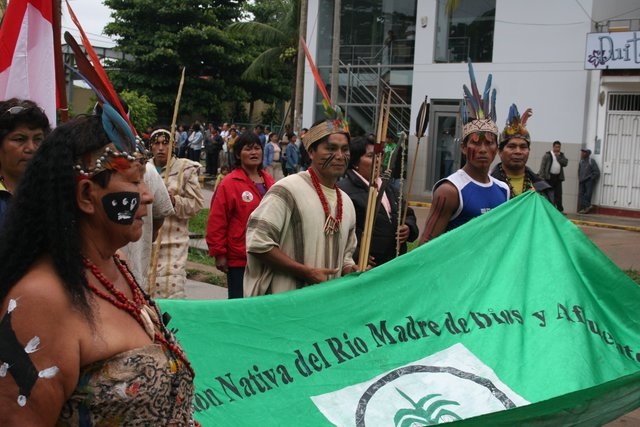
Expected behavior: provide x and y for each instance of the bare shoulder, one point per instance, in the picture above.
(447, 191)
(39, 349)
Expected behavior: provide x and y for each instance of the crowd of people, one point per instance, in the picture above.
(288, 211)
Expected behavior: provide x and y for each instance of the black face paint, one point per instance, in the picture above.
(328, 161)
(121, 207)
(14, 358)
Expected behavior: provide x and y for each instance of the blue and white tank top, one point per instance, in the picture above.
(475, 198)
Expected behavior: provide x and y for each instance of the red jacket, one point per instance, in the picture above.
(234, 200)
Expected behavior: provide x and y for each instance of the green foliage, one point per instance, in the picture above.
(206, 277)
(270, 115)
(162, 37)
(273, 38)
(142, 110)
(199, 256)
(198, 224)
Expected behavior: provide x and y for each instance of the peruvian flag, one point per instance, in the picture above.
(27, 67)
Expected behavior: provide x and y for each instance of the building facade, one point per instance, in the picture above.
(575, 63)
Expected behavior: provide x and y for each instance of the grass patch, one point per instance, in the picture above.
(634, 275)
(198, 224)
(206, 277)
(200, 257)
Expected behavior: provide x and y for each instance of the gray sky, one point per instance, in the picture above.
(93, 16)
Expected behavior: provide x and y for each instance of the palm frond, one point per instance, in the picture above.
(262, 66)
(264, 32)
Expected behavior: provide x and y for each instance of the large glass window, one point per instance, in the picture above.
(465, 33)
(371, 31)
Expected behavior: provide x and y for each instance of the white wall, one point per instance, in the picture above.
(538, 62)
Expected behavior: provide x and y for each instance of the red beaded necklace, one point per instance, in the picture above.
(145, 315)
(331, 225)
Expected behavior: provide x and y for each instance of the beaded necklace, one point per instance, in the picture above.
(526, 184)
(331, 224)
(139, 308)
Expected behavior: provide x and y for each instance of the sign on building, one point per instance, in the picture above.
(615, 50)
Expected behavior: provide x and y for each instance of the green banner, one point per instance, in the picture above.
(515, 317)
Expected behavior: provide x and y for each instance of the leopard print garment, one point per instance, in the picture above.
(140, 387)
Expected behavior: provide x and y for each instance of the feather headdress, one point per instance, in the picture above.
(478, 111)
(516, 126)
(125, 145)
(335, 121)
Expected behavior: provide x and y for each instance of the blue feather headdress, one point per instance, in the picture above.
(478, 112)
(516, 126)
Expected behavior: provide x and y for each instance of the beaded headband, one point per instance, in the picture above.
(478, 111)
(516, 126)
(157, 133)
(335, 123)
(105, 158)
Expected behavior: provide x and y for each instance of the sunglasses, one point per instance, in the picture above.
(17, 109)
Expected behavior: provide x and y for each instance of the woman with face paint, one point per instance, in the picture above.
(80, 341)
(238, 194)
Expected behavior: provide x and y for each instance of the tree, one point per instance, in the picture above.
(143, 111)
(274, 33)
(162, 36)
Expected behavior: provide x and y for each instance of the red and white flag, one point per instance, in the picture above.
(27, 67)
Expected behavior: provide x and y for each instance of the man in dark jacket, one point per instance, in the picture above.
(588, 174)
(212, 145)
(515, 143)
(386, 230)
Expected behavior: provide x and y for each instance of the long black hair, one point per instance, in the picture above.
(43, 216)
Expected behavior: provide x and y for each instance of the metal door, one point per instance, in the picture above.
(620, 181)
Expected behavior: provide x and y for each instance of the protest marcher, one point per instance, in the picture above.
(212, 145)
(235, 198)
(303, 231)
(195, 141)
(514, 147)
(82, 344)
(187, 200)
(271, 157)
(588, 174)
(23, 126)
(552, 171)
(292, 163)
(386, 231)
(470, 191)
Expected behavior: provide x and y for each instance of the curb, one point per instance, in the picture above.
(575, 221)
(605, 225)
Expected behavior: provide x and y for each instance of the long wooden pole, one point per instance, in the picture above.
(421, 127)
(365, 238)
(156, 245)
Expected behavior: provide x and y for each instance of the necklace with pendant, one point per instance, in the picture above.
(331, 224)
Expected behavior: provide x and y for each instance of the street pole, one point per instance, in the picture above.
(335, 52)
(299, 91)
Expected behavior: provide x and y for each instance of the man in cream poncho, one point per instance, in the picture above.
(303, 232)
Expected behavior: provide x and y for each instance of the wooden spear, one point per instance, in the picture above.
(365, 238)
(421, 126)
(156, 244)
